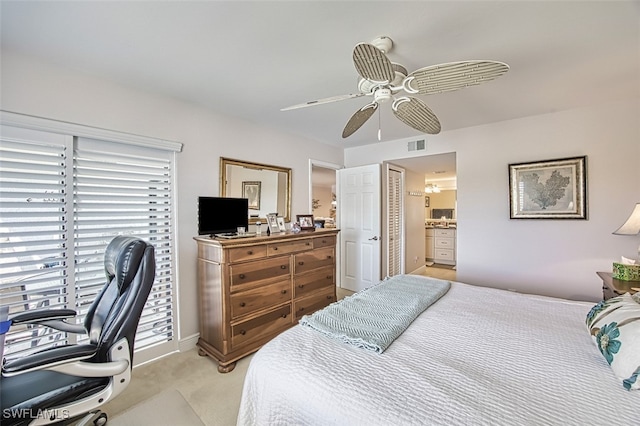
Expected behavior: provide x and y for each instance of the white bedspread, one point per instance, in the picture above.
(478, 356)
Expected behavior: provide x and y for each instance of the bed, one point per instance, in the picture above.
(476, 356)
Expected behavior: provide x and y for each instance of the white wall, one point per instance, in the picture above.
(41, 89)
(549, 257)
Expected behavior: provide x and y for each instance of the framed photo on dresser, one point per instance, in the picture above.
(272, 223)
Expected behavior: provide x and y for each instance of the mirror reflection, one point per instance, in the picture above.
(268, 188)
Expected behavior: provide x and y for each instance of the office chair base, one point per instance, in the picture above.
(96, 418)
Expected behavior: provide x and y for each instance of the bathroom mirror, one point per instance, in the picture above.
(268, 188)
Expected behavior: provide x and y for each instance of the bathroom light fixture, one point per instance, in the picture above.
(431, 188)
(631, 226)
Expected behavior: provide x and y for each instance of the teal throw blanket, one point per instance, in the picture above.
(373, 318)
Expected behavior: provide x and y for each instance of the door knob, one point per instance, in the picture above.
(373, 238)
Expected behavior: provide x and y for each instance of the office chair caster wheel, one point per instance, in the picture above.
(101, 420)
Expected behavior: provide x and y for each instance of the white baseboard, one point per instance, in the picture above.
(420, 271)
(188, 343)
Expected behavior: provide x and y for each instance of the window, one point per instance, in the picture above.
(63, 197)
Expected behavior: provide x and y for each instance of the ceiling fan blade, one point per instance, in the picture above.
(326, 100)
(453, 76)
(415, 113)
(372, 64)
(359, 118)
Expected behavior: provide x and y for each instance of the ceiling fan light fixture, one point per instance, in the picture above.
(381, 78)
(431, 188)
(382, 95)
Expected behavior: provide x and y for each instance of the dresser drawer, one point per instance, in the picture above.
(312, 260)
(446, 243)
(269, 323)
(446, 233)
(240, 254)
(444, 254)
(308, 283)
(254, 272)
(246, 302)
(309, 305)
(327, 241)
(289, 247)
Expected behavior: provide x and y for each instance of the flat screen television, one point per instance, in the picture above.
(221, 215)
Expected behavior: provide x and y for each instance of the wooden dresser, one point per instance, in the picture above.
(251, 289)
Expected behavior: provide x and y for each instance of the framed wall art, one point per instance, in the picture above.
(552, 189)
(251, 191)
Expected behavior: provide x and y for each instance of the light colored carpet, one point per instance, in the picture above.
(167, 409)
(213, 397)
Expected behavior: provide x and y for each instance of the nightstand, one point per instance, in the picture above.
(612, 287)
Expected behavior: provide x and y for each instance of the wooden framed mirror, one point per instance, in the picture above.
(267, 187)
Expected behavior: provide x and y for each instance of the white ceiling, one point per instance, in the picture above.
(249, 59)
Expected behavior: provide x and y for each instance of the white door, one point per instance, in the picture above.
(359, 223)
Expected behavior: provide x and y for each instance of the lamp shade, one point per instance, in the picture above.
(632, 225)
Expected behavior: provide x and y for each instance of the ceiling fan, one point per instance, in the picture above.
(383, 80)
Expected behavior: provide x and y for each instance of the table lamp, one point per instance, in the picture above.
(631, 226)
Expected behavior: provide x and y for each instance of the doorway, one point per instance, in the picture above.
(322, 190)
(436, 173)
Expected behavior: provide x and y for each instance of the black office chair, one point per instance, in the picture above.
(68, 383)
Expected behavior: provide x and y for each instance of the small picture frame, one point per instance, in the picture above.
(281, 224)
(552, 189)
(306, 222)
(251, 191)
(272, 223)
(426, 201)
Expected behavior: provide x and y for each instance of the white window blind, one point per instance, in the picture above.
(63, 198)
(119, 189)
(33, 225)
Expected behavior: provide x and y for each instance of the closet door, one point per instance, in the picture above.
(395, 229)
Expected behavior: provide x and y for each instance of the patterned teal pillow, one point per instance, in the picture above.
(614, 325)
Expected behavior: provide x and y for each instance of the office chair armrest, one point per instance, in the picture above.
(39, 315)
(48, 358)
(52, 318)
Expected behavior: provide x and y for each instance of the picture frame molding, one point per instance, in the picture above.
(522, 204)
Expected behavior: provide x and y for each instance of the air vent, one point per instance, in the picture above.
(418, 145)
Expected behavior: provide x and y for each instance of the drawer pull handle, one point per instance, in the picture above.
(283, 266)
(307, 243)
(302, 286)
(242, 304)
(284, 315)
(241, 276)
(329, 277)
(250, 252)
(329, 257)
(324, 241)
(243, 332)
(275, 248)
(301, 263)
(301, 309)
(329, 297)
(284, 292)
